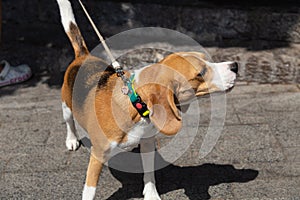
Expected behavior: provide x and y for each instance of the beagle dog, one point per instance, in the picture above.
(92, 98)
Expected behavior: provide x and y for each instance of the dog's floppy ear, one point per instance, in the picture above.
(164, 113)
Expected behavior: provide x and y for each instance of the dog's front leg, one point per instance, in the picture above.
(148, 153)
(92, 176)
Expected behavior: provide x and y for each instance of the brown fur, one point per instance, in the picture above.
(93, 172)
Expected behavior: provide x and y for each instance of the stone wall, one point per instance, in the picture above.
(258, 31)
(218, 25)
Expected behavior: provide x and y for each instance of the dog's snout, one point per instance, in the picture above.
(234, 67)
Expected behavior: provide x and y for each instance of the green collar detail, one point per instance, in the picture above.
(132, 93)
(136, 100)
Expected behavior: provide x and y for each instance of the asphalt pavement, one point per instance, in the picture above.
(256, 157)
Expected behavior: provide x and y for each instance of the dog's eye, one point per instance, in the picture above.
(203, 72)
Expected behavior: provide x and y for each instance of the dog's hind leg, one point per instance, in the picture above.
(71, 140)
(148, 153)
(92, 177)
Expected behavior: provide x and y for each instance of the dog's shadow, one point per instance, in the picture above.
(195, 180)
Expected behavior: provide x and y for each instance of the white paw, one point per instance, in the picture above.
(150, 192)
(88, 193)
(72, 144)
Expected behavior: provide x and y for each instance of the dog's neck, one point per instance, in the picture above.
(138, 72)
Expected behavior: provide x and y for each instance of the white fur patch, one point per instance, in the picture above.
(137, 73)
(223, 77)
(88, 193)
(71, 140)
(113, 145)
(66, 14)
(67, 113)
(141, 130)
(150, 192)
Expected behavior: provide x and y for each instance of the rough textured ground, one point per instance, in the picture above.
(256, 157)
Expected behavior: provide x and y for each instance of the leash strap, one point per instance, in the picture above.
(115, 64)
(128, 88)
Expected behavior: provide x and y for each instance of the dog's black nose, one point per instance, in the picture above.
(234, 67)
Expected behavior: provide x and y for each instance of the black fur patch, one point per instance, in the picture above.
(77, 40)
(105, 76)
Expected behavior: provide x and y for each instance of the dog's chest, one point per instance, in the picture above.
(141, 130)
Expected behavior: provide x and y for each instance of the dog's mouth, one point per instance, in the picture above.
(207, 95)
(229, 89)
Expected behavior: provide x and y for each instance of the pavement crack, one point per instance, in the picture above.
(47, 137)
(2, 175)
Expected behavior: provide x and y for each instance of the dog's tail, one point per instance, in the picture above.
(71, 28)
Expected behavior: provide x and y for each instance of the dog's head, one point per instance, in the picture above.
(199, 76)
(181, 77)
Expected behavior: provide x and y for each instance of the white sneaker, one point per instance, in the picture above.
(12, 75)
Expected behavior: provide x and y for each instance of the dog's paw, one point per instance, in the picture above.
(88, 193)
(72, 144)
(150, 192)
